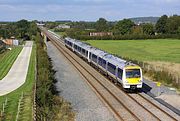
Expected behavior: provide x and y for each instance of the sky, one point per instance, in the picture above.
(85, 10)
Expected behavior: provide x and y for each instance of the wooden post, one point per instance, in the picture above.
(149, 67)
(6, 101)
(3, 108)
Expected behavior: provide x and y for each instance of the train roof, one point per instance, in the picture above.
(121, 63)
(116, 61)
(69, 39)
(79, 43)
(98, 52)
(83, 45)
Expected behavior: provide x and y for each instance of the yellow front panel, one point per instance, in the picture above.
(132, 67)
(133, 80)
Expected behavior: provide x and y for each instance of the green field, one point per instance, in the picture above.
(13, 97)
(143, 50)
(7, 59)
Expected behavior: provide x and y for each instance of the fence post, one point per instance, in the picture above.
(3, 107)
(19, 104)
(6, 101)
(177, 80)
(1, 114)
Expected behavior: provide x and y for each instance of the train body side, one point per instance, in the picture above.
(116, 68)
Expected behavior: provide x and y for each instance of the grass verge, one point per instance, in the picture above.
(166, 50)
(13, 97)
(7, 59)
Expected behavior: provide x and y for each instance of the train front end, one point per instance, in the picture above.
(133, 77)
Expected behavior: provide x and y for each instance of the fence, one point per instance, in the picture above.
(34, 104)
(160, 73)
(19, 106)
(4, 106)
(4, 115)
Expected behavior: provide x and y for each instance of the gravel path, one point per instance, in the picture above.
(73, 88)
(17, 74)
(163, 94)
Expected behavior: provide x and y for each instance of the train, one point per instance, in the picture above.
(126, 73)
(129, 75)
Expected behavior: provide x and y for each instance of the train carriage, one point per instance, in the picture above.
(82, 49)
(126, 73)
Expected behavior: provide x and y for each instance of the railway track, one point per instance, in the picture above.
(124, 106)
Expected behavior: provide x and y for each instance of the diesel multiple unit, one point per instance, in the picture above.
(127, 74)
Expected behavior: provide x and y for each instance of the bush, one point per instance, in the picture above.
(49, 105)
(85, 36)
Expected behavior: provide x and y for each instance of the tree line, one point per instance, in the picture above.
(166, 27)
(22, 29)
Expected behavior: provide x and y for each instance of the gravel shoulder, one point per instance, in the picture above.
(74, 89)
(167, 96)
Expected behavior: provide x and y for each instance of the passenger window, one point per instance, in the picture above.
(99, 61)
(120, 73)
(111, 68)
(94, 58)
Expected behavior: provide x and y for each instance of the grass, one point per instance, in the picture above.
(7, 59)
(27, 89)
(143, 50)
(61, 33)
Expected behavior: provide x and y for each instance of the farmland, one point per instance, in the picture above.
(165, 50)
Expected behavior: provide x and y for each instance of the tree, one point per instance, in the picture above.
(123, 27)
(102, 25)
(22, 28)
(173, 24)
(178, 31)
(32, 30)
(161, 24)
(137, 30)
(148, 29)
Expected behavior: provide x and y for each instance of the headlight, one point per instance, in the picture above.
(140, 80)
(126, 81)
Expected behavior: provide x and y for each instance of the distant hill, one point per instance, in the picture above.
(140, 20)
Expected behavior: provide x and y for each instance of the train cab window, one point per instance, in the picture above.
(94, 58)
(111, 68)
(133, 73)
(120, 73)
